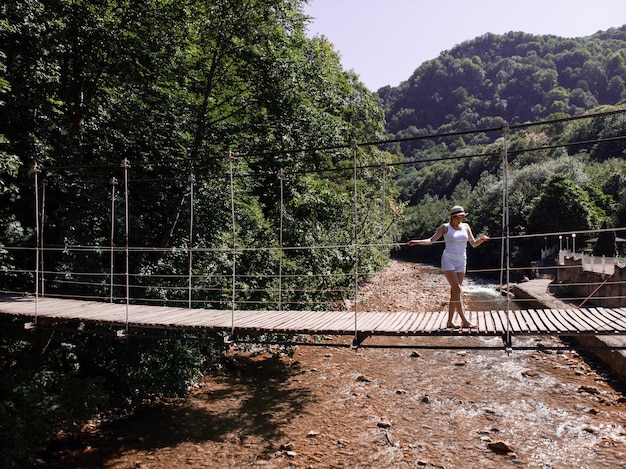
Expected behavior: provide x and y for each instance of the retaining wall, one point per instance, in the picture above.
(538, 292)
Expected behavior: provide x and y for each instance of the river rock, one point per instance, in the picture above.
(500, 447)
(588, 389)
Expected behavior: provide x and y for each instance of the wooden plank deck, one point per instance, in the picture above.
(596, 321)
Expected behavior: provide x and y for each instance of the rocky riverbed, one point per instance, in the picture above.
(391, 407)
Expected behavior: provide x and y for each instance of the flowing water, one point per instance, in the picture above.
(387, 407)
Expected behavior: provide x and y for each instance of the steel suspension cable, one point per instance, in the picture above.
(505, 236)
(281, 175)
(113, 183)
(354, 147)
(44, 183)
(192, 180)
(36, 171)
(383, 201)
(126, 166)
(231, 158)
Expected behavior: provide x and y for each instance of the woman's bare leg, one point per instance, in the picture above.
(455, 279)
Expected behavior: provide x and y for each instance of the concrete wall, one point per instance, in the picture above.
(601, 289)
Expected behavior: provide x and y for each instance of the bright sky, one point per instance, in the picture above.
(384, 41)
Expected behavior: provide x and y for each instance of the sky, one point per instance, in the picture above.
(384, 41)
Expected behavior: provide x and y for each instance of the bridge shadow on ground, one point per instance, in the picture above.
(247, 403)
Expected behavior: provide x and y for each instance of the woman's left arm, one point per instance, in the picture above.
(473, 241)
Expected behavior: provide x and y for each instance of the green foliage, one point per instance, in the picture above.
(524, 78)
(517, 77)
(177, 87)
(54, 380)
(564, 206)
(42, 390)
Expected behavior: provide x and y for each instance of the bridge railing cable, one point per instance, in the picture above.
(283, 286)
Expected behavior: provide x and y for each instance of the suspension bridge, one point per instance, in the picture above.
(155, 301)
(504, 324)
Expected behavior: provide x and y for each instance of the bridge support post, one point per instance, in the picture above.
(507, 339)
(358, 339)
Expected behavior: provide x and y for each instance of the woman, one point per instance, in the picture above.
(456, 235)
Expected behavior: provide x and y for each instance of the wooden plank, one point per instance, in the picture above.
(175, 317)
(596, 319)
(410, 318)
(81, 309)
(551, 322)
(621, 312)
(399, 321)
(573, 319)
(390, 322)
(500, 320)
(253, 320)
(319, 320)
(433, 322)
(480, 322)
(525, 317)
(520, 319)
(510, 317)
(315, 320)
(540, 326)
(582, 318)
(551, 327)
(617, 320)
(419, 323)
(366, 322)
(220, 319)
(23, 306)
(508, 321)
(383, 321)
(566, 321)
(343, 322)
(413, 322)
(490, 324)
(282, 320)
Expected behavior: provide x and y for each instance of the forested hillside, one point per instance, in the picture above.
(227, 152)
(517, 79)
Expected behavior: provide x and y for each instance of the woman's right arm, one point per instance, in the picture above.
(428, 241)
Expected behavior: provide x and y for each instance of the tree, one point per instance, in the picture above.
(563, 206)
(605, 245)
